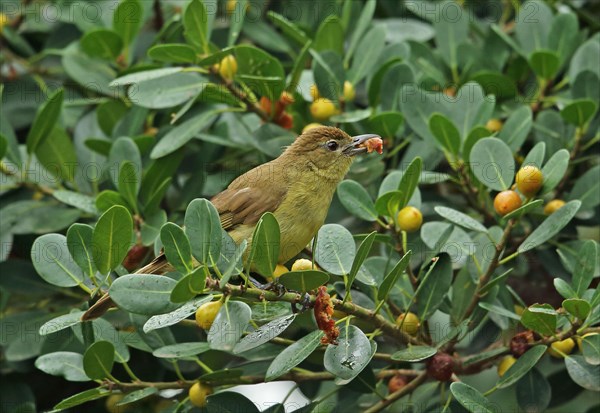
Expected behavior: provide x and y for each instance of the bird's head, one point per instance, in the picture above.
(328, 150)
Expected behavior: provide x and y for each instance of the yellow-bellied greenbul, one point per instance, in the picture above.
(297, 187)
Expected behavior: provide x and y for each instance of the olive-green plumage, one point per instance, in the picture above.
(297, 187)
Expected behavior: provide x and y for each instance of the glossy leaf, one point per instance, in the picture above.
(445, 133)
(181, 350)
(550, 227)
(53, 262)
(554, 170)
(434, 287)
(172, 53)
(102, 43)
(45, 120)
(294, 355)
(177, 247)
(590, 347)
(492, 163)
(521, 367)
(264, 334)
(264, 251)
(227, 329)
(127, 20)
(577, 308)
(413, 354)
(579, 113)
(517, 127)
(172, 318)
(335, 250)
(392, 277)
(460, 219)
(350, 356)
(533, 392)
(195, 23)
(356, 200)
(304, 281)
(143, 293)
(540, 318)
(545, 63)
(471, 399)
(98, 360)
(112, 238)
(80, 245)
(203, 228)
(189, 285)
(582, 373)
(66, 364)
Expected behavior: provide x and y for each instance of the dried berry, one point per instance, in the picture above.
(323, 312)
(441, 366)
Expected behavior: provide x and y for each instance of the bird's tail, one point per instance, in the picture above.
(158, 266)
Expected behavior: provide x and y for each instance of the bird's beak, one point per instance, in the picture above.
(355, 148)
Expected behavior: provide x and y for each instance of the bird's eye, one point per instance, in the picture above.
(332, 145)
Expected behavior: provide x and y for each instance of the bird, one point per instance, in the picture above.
(297, 187)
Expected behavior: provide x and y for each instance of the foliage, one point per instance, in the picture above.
(118, 124)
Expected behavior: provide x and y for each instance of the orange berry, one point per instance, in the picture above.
(506, 202)
(553, 206)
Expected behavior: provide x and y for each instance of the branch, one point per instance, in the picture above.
(409, 388)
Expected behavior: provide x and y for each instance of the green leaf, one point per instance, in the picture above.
(182, 134)
(264, 251)
(525, 209)
(460, 219)
(230, 402)
(177, 247)
(203, 228)
(367, 54)
(181, 350)
(134, 396)
(517, 127)
(392, 277)
(303, 281)
(540, 318)
(190, 285)
(290, 29)
(167, 91)
(112, 238)
(80, 201)
(80, 245)
(335, 250)
(583, 273)
(237, 21)
(172, 53)
(554, 170)
(350, 356)
(108, 199)
(143, 293)
(83, 397)
(577, 307)
(356, 200)
(564, 288)
(579, 112)
(493, 164)
(102, 43)
(550, 227)
(98, 360)
(329, 74)
(499, 310)
(471, 399)
(474, 136)
(330, 35)
(451, 29)
(234, 265)
(590, 347)
(293, 355)
(230, 324)
(127, 20)
(46, 118)
(129, 183)
(63, 364)
(53, 262)
(582, 373)
(533, 392)
(57, 154)
(413, 354)
(434, 286)
(195, 23)
(410, 181)
(168, 319)
(536, 155)
(445, 133)
(361, 254)
(587, 189)
(362, 24)
(262, 72)
(137, 77)
(61, 322)
(264, 334)
(545, 63)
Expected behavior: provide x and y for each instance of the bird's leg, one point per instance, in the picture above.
(306, 304)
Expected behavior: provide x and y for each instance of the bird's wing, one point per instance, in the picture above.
(246, 205)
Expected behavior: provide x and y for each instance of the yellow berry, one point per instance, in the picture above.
(302, 265)
(518, 309)
(206, 314)
(232, 5)
(409, 219)
(4, 20)
(505, 364)
(580, 339)
(311, 126)
(314, 92)
(349, 92)
(506, 202)
(111, 404)
(565, 346)
(494, 125)
(322, 109)
(553, 206)
(228, 67)
(408, 322)
(280, 270)
(198, 393)
(529, 180)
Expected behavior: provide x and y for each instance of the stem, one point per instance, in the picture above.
(409, 388)
(129, 371)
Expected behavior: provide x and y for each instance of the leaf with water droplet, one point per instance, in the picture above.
(350, 356)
